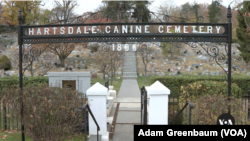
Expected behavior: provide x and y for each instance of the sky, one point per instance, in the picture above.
(91, 5)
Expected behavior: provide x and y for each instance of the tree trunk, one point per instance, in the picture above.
(62, 61)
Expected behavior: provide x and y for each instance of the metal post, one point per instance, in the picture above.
(145, 108)
(4, 116)
(190, 110)
(20, 67)
(85, 123)
(229, 15)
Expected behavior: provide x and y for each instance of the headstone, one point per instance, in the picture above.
(177, 64)
(191, 69)
(199, 73)
(140, 74)
(188, 70)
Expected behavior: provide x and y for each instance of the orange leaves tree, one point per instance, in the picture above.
(49, 113)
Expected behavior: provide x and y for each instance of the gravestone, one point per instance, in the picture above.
(177, 64)
(140, 74)
(188, 70)
(191, 69)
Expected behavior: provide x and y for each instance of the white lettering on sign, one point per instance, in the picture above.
(177, 29)
(93, 29)
(218, 29)
(85, 30)
(185, 29)
(54, 30)
(106, 29)
(46, 30)
(201, 29)
(116, 29)
(138, 29)
(168, 29)
(31, 31)
(161, 31)
(78, 30)
(62, 30)
(124, 29)
(70, 28)
(146, 28)
(194, 28)
(209, 29)
(38, 31)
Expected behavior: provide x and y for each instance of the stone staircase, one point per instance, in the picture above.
(129, 65)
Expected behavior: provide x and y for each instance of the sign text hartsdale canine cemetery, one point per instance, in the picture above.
(123, 29)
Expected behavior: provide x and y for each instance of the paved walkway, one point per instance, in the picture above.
(129, 99)
(129, 112)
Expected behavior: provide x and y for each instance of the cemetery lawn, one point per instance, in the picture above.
(117, 83)
(141, 81)
(16, 136)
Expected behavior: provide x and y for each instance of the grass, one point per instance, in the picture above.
(141, 81)
(16, 136)
(117, 83)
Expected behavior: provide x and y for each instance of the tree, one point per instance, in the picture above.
(214, 13)
(171, 48)
(145, 54)
(243, 32)
(168, 8)
(116, 10)
(62, 50)
(34, 57)
(30, 12)
(141, 11)
(195, 8)
(63, 11)
(108, 62)
(186, 10)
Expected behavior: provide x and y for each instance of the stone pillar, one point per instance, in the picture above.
(158, 104)
(97, 99)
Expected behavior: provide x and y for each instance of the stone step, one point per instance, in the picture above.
(129, 77)
(94, 137)
(129, 74)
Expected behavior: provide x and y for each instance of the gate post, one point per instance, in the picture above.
(158, 104)
(97, 99)
(229, 15)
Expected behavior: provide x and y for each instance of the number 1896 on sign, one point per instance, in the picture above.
(126, 47)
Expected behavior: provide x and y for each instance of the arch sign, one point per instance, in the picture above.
(125, 32)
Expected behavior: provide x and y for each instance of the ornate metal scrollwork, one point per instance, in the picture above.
(214, 53)
(106, 47)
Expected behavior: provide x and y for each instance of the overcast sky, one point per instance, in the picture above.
(91, 5)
